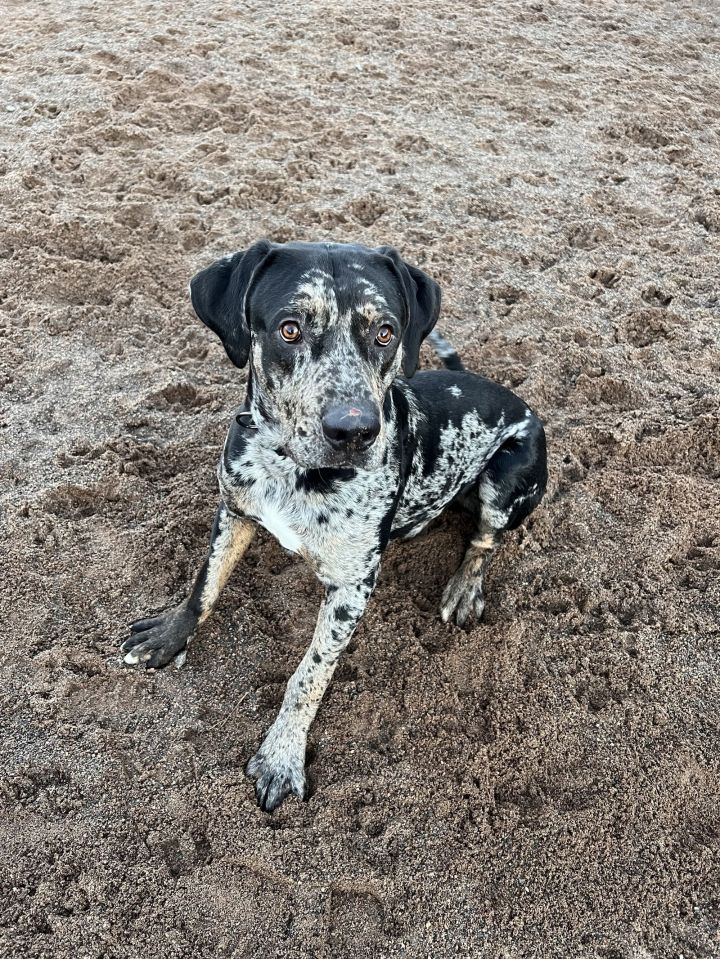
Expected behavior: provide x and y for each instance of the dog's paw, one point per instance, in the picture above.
(278, 768)
(157, 641)
(463, 597)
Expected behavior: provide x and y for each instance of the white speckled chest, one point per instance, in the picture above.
(334, 529)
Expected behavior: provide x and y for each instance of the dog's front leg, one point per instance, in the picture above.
(156, 641)
(279, 764)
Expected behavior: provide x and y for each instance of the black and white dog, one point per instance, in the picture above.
(336, 452)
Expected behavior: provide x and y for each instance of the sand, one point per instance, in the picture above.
(543, 784)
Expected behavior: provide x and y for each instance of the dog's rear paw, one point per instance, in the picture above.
(279, 770)
(463, 597)
(157, 641)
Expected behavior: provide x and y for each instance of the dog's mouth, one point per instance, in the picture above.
(332, 461)
(327, 458)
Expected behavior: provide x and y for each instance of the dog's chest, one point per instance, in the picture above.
(275, 505)
(333, 529)
(282, 523)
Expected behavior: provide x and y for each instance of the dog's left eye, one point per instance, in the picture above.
(290, 331)
(385, 334)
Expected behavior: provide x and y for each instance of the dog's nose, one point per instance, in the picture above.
(347, 425)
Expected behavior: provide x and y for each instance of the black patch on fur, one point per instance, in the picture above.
(219, 293)
(406, 442)
(517, 467)
(342, 613)
(325, 480)
(402, 531)
(386, 527)
(421, 296)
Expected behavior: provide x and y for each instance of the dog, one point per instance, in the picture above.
(339, 448)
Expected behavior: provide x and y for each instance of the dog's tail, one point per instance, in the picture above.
(446, 351)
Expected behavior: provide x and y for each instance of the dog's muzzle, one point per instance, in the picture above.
(351, 426)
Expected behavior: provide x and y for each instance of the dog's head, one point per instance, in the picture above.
(326, 328)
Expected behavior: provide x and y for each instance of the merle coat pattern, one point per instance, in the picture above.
(339, 448)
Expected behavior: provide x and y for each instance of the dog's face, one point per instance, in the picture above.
(326, 327)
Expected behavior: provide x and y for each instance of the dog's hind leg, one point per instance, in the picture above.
(155, 641)
(463, 594)
(509, 489)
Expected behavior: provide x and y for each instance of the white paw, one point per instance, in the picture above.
(462, 598)
(278, 768)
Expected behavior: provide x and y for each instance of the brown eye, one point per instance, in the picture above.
(290, 331)
(384, 335)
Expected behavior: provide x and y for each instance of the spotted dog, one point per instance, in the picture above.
(339, 449)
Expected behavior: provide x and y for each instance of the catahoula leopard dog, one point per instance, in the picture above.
(341, 447)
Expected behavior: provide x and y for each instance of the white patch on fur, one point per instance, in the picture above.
(523, 427)
(497, 518)
(484, 542)
(529, 495)
(455, 390)
(276, 521)
(315, 297)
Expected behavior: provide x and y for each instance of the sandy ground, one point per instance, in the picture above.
(544, 784)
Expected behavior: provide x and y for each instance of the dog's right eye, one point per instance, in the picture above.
(290, 331)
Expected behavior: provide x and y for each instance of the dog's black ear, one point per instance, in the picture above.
(422, 304)
(219, 297)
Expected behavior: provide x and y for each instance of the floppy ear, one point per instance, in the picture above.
(219, 297)
(422, 306)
